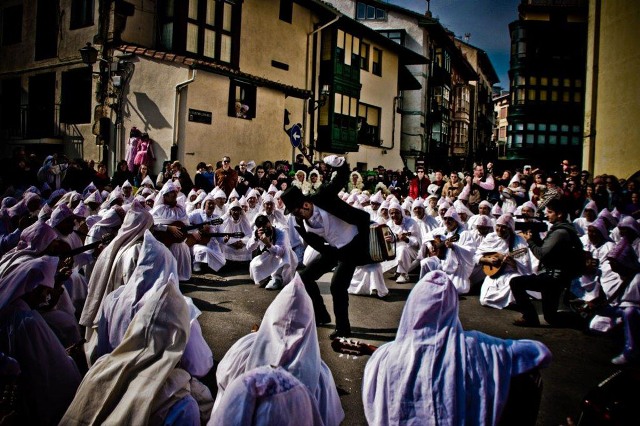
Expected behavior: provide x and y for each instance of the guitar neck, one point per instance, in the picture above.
(222, 234)
(188, 228)
(82, 249)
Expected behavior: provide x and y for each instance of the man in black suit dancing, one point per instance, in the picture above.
(340, 233)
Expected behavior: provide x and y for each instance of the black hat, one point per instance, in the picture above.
(292, 198)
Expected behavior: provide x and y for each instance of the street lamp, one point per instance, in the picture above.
(89, 54)
(324, 96)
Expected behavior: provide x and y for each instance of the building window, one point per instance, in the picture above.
(242, 100)
(12, 25)
(397, 36)
(208, 28)
(369, 125)
(75, 97)
(368, 12)
(460, 134)
(376, 67)
(345, 110)
(286, 10)
(364, 56)
(46, 29)
(348, 48)
(462, 99)
(503, 112)
(81, 14)
(443, 59)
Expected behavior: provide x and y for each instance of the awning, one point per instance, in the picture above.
(406, 80)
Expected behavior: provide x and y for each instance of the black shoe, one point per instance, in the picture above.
(323, 318)
(339, 333)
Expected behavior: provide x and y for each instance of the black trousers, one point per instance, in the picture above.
(551, 287)
(345, 260)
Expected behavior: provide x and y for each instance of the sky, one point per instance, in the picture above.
(486, 20)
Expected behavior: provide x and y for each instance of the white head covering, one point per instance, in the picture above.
(267, 198)
(606, 214)
(81, 210)
(407, 204)
(485, 203)
(89, 189)
(443, 205)
(417, 203)
(506, 220)
(384, 205)
(33, 242)
(240, 202)
(601, 227)
(377, 198)
(234, 194)
(434, 371)
(286, 338)
(631, 223)
(452, 213)
(625, 255)
(483, 220)
(530, 205)
(432, 189)
(272, 188)
(515, 179)
(127, 184)
(496, 211)
(147, 181)
(267, 396)
(591, 205)
(461, 208)
(253, 193)
(28, 275)
(59, 214)
(394, 205)
(94, 197)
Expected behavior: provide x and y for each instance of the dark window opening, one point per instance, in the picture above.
(376, 67)
(46, 29)
(364, 56)
(81, 14)
(366, 11)
(286, 10)
(368, 125)
(12, 25)
(75, 102)
(242, 100)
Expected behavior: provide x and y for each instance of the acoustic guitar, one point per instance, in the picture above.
(438, 245)
(167, 238)
(496, 265)
(105, 239)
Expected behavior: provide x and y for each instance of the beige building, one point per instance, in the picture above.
(204, 78)
(501, 111)
(612, 96)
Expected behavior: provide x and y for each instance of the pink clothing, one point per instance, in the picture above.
(132, 150)
(145, 154)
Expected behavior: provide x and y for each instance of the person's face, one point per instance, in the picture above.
(305, 211)
(127, 190)
(484, 209)
(503, 231)
(438, 176)
(123, 166)
(594, 235)
(171, 198)
(538, 179)
(260, 173)
(441, 212)
(375, 206)
(454, 178)
(243, 166)
(102, 169)
(384, 212)
(219, 201)
(300, 177)
(589, 191)
(396, 216)
(506, 175)
(209, 207)
(314, 178)
(252, 201)
(484, 230)
(226, 163)
(550, 183)
(149, 203)
(526, 211)
(464, 217)
(565, 166)
(235, 213)
(450, 223)
(590, 215)
(552, 216)
(56, 248)
(66, 226)
(143, 170)
(634, 198)
(354, 179)
(571, 186)
(269, 206)
(418, 212)
(432, 203)
(527, 171)
(174, 168)
(478, 171)
(420, 173)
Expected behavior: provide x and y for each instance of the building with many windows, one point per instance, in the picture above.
(205, 78)
(501, 110)
(547, 75)
(448, 122)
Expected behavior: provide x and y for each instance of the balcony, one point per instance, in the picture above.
(31, 122)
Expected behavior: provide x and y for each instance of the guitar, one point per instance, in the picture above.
(352, 347)
(167, 238)
(495, 266)
(438, 246)
(106, 239)
(206, 237)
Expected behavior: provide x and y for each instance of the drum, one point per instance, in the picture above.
(380, 249)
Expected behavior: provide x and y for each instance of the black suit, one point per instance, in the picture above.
(344, 259)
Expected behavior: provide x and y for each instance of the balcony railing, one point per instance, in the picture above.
(31, 122)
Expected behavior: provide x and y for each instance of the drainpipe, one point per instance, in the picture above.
(176, 106)
(589, 162)
(305, 114)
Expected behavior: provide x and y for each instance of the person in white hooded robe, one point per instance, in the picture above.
(114, 266)
(235, 248)
(457, 260)
(140, 382)
(209, 254)
(286, 338)
(167, 212)
(155, 266)
(436, 373)
(408, 239)
(49, 377)
(495, 291)
(267, 396)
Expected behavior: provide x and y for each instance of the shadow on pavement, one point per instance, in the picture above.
(208, 307)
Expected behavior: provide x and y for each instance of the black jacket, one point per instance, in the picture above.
(327, 199)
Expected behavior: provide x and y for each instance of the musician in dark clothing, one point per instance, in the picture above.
(556, 253)
(340, 233)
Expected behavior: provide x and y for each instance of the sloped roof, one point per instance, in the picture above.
(215, 68)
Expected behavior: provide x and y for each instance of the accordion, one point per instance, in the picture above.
(380, 249)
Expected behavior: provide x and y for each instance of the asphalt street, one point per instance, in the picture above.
(231, 305)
